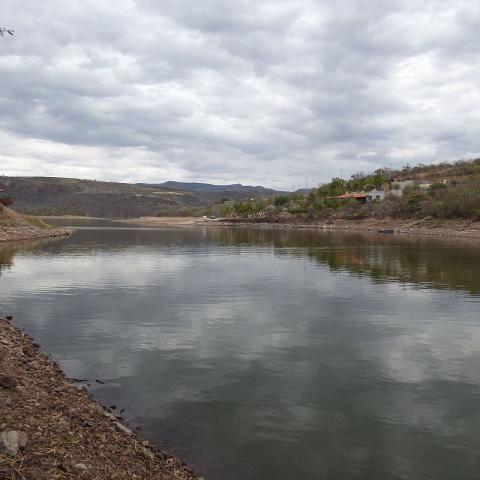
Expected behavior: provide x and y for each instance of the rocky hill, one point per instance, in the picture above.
(69, 196)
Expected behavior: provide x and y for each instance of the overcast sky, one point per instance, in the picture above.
(252, 91)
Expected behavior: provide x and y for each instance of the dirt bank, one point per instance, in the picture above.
(427, 226)
(52, 429)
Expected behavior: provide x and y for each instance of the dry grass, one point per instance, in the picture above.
(9, 218)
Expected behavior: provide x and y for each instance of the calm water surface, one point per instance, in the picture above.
(261, 354)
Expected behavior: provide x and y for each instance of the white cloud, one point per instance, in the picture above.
(261, 92)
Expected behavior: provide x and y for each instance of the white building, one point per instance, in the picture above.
(375, 195)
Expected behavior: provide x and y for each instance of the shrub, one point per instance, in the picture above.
(281, 200)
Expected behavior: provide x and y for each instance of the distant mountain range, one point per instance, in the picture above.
(70, 196)
(208, 187)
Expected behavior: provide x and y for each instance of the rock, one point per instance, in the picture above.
(123, 428)
(28, 351)
(148, 454)
(80, 467)
(12, 440)
(6, 381)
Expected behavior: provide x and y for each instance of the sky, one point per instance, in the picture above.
(260, 92)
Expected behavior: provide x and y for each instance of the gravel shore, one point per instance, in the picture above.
(52, 429)
(27, 232)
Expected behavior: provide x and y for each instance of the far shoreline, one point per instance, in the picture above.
(463, 228)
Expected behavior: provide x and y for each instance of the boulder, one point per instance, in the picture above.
(80, 467)
(12, 440)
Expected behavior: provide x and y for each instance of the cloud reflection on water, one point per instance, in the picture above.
(296, 353)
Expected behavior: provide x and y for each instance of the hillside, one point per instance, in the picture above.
(68, 196)
(461, 170)
(442, 191)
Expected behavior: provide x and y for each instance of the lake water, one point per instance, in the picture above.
(261, 354)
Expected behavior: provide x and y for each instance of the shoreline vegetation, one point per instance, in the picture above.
(51, 427)
(440, 200)
(445, 194)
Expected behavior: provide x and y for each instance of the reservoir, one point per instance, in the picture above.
(261, 354)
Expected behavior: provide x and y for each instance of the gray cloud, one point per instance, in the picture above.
(258, 92)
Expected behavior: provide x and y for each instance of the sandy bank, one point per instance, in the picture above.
(68, 217)
(163, 221)
(428, 226)
(52, 429)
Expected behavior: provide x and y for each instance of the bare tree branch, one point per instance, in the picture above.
(4, 30)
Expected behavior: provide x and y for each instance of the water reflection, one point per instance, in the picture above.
(439, 262)
(269, 354)
(430, 261)
(6, 257)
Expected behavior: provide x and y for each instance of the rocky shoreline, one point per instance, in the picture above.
(51, 428)
(28, 232)
(425, 226)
